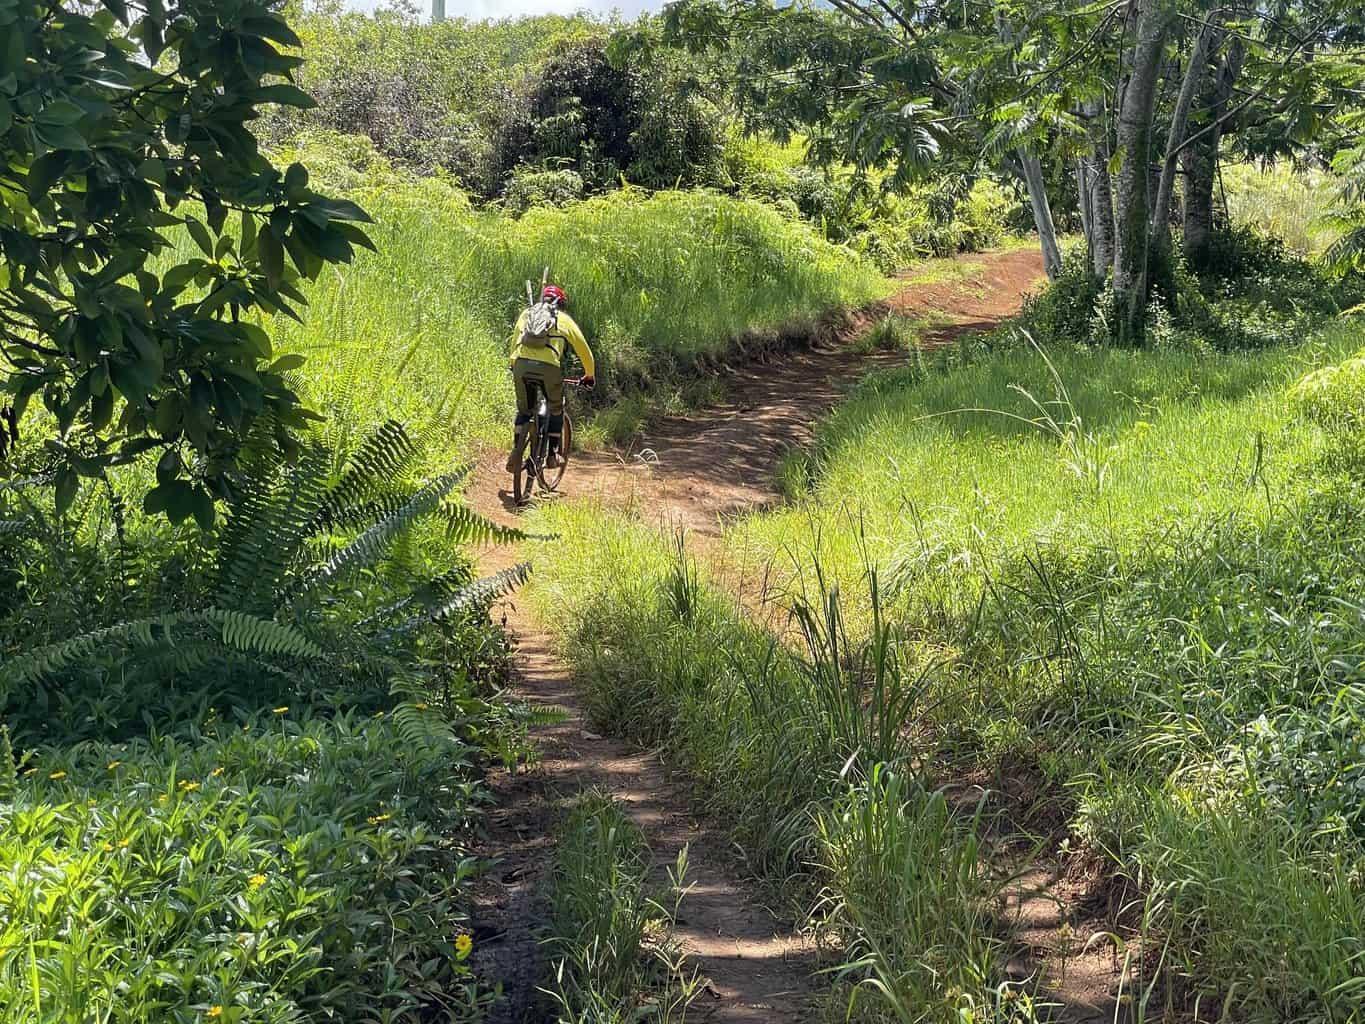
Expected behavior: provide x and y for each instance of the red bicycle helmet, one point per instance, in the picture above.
(553, 291)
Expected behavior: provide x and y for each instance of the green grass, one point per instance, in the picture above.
(931, 472)
(612, 953)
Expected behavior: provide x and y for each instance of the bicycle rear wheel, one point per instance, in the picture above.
(550, 478)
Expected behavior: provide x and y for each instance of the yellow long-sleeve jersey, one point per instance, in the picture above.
(566, 330)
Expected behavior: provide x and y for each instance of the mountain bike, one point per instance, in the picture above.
(533, 470)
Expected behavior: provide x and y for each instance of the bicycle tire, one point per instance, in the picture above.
(550, 479)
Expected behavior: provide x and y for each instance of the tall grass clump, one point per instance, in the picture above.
(907, 881)
(614, 960)
(1289, 203)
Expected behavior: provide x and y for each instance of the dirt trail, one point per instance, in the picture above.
(693, 472)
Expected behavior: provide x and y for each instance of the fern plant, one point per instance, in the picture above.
(307, 574)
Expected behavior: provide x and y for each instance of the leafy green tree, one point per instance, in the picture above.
(1127, 92)
(125, 125)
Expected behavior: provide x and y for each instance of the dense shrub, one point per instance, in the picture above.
(891, 229)
(265, 865)
(605, 120)
(1255, 294)
(401, 111)
(218, 758)
(1334, 398)
(528, 188)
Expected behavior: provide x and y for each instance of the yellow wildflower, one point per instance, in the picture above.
(162, 798)
(214, 1011)
(30, 771)
(282, 710)
(57, 775)
(188, 787)
(421, 707)
(256, 881)
(108, 847)
(217, 771)
(123, 844)
(463, 944)
(379, 819)
(113, 764)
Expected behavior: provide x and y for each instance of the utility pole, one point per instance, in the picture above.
(438, 10)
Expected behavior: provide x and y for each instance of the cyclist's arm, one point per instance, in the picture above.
(581, 349)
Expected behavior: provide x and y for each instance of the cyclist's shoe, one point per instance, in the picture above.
(552, 460)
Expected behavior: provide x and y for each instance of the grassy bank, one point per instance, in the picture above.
(1135, 574)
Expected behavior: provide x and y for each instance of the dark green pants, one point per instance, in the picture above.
(532, 375)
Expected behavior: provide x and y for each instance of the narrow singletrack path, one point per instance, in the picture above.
(692, 472)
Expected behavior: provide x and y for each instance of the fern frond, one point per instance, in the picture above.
(539, 716)
(421, 728)
(479, 592)
(381, 459)
(52, 658)
(238, 631)
(266, 530)
(8, 526)
(465, 526)
(262, 636)
(366, 548)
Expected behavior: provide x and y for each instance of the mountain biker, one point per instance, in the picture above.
(538, 363)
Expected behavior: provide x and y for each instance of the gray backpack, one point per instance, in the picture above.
(541, 320)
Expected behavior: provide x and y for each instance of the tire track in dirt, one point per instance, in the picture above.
(693, 472)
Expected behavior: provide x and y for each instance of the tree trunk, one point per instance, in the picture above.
(1199, 162)
(1195, 72)
(1042, 213)
(1102, 202)
(1132, 199)
(1085, 206)
(1097, 194)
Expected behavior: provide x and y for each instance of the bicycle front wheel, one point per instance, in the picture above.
(550, 478)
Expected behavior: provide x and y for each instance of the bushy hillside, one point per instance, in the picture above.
(658, 281)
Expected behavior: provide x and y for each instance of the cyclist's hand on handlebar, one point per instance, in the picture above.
(589, 382)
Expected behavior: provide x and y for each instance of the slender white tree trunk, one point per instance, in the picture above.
(1042, 213)
(1195, 71)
